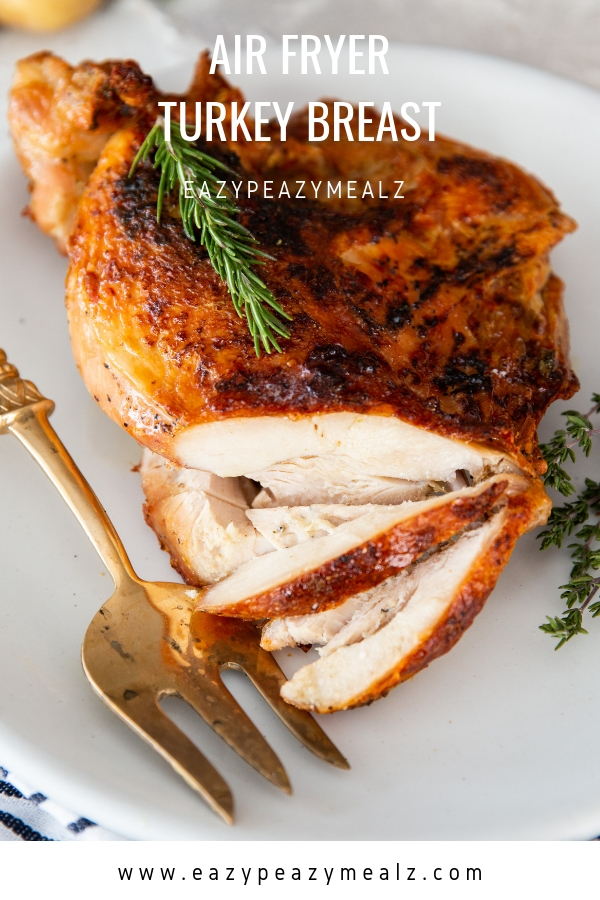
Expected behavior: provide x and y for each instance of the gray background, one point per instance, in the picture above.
(562, 36)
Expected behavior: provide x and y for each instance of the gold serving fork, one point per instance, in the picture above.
(147, 642)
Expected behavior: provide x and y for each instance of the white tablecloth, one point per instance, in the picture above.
(28, 815)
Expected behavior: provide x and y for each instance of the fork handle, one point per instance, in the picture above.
(24, 413)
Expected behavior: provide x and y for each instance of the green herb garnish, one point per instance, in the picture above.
(583, 585)
(208, 214)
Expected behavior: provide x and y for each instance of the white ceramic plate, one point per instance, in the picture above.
(496, 740)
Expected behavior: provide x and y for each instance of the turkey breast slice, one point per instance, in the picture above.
(200, 519)
(333, 479)
(354, 620)
(387, 635)
(382, 446)
(357, 555)
(285, 526)
(206, 523)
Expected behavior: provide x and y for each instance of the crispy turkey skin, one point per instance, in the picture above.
(368, 483)
(439, 309)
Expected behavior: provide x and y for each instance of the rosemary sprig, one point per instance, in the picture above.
(232, 249)
(583, 584)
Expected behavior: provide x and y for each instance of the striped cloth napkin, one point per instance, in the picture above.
(28, 815)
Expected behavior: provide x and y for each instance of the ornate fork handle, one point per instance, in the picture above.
(18, 398)
(24, 413)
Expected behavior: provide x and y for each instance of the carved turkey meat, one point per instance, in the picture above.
(363, 489)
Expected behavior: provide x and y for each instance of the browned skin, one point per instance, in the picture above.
(60, 119)
(525, 511)
(370, 563)
(438, 308)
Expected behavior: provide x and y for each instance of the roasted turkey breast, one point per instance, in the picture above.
(438, 310)
(365, 485)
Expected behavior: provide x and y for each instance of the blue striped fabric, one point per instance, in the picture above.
(28, 815)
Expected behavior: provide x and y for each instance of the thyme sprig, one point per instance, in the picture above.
(208, 214)
(583, 584)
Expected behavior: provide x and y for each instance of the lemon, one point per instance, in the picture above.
(44, 15)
